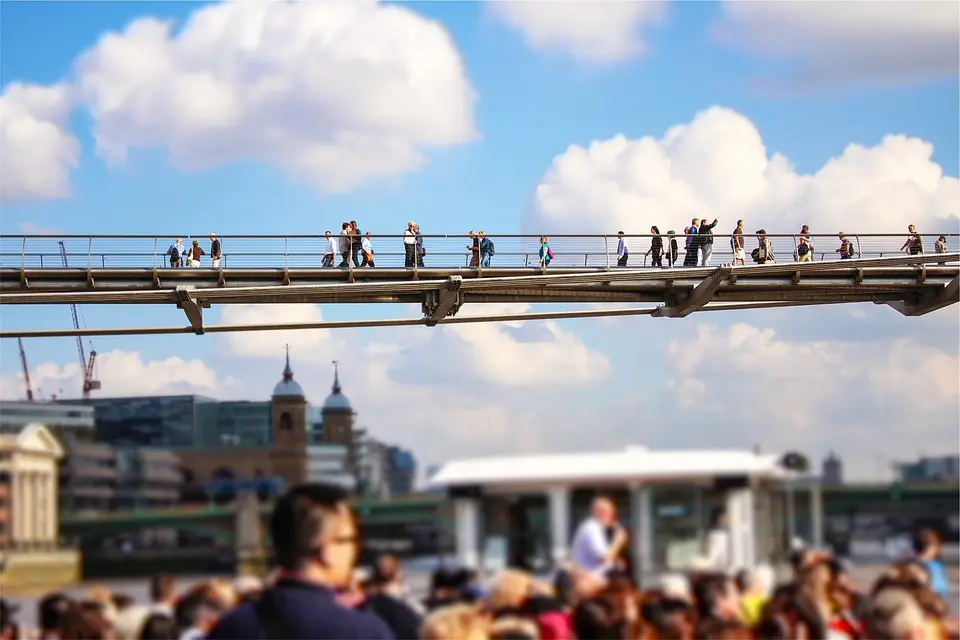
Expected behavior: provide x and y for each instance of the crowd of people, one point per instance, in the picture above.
(317, 592)
(354, 247)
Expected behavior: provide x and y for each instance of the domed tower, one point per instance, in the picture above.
(290, 429)
(338, 418)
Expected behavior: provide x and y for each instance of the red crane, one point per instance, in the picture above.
(86, 365)
(26, 370)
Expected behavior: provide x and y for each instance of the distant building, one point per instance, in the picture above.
(832, 470)
(928, 469)
(373, 468)
(147, 478)
(327, 463)
(62, 419)
(88, 477)
(401, 471)
(28, 487)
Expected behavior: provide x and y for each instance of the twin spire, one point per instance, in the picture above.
(288, 373)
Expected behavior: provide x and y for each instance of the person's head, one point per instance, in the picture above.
(462, 621)
(604, 511)
(716, 597)
(620, 233)
(912, 229)
(314, 533)
(196, 243)
(199, 608)
(83, 622)
(894, 613)
(368, 234)
(353, 224)
(346, 225)
(654, 230)
(213, 236)
(544, 239)
(472, 234)
(387, 573)
(162, 588)
(720, 519)
(328, 234)
(927, 544)
(942, 238)
(510, 591)
(695, 222)
(805, 229)
(179, 240)
(739, 224)
(51, 611)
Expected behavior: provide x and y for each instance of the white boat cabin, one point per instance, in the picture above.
(523, 510)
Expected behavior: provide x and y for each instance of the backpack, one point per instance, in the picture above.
(491, 250)
(550, 253)
(848, 248)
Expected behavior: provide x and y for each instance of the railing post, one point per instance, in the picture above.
(606, 252)
(23, 254)
(286, 246)
(89, 253)
(156, 241)
(859, 252)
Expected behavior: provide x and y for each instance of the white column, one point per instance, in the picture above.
(34, 503)
(559, 503)
(740, 512)
(465, 513)
(641, 517)
(816, 514)
(16, 505)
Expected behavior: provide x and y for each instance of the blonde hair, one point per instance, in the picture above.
(511, 589)
(462, 621)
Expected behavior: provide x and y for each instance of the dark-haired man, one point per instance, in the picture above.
(52, 612)
(314, 538)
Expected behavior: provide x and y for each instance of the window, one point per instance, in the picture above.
(286, 421)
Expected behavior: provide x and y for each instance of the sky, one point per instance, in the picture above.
(536, 117)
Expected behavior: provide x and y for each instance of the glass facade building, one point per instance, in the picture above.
(181, 422)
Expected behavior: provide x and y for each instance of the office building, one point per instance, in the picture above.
(147, 478)
(401, 470)
(88, 477)
(928, 469)
(155, 421)
(64, 420)
(832, 469)
(372, 458)
(327, 463)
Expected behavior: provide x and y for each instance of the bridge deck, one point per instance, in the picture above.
(914, 285)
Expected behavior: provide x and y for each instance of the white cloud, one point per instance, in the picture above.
(718, 166)
(37, 151)
(308, 344)
(505, 354)
(838, 43)
(337, 93)
(596, 32)
(121, 373)
(865, 399)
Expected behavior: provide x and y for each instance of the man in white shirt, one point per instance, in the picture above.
(410, 245)
(331, 252)
(718, 544)
(367, 249)
(591, 550)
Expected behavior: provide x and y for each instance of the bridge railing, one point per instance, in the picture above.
(442, 251)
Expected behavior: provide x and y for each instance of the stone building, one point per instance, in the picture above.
(28, 487)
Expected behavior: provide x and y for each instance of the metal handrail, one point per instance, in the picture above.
(529, 236)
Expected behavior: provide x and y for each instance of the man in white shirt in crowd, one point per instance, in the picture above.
(592, 550)
(330, 254)
(366, 248)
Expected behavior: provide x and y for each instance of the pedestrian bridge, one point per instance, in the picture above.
(287, 269)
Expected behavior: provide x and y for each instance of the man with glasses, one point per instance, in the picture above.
(315, 541)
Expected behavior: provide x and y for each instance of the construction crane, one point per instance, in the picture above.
(26, 370)
(86, 364)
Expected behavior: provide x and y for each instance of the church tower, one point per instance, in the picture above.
(338, 420)
(290, 428)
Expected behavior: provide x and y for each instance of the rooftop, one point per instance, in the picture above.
(631, 463)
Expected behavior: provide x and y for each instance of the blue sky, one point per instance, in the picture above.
(532, 103)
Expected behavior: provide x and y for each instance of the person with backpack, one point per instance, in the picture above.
(656, 247)
(763, 254)
(674, 251)
(487, 250)
(546, 253)
(846, 249)
(316, 543)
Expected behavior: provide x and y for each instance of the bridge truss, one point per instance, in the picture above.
(913, 285)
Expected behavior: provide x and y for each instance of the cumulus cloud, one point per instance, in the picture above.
(718, 166)
(37, 150)
(309, 344)
(336, 93)
(860, 398)
(838, 43)
(595, 32)
(122, 373)
(510, 354)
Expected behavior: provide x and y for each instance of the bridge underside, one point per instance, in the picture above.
(911, 285)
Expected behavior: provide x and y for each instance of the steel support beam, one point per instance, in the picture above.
(698, 298)
(190, 306)
(445, 301)
(947, 296)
